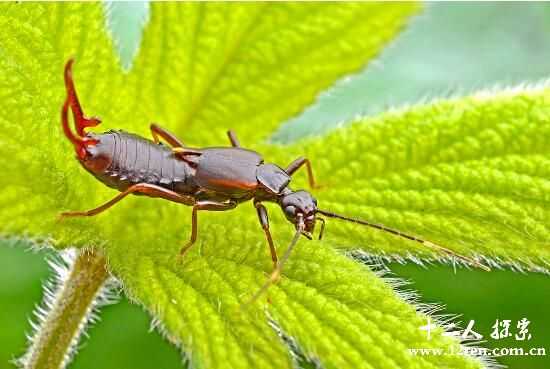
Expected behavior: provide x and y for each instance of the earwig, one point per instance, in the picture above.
(211, 178)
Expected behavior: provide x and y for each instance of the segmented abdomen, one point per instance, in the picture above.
(138, 160)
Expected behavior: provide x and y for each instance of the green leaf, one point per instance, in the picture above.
(35, 43)
(471, 174)
(338, 311)
(207, 67)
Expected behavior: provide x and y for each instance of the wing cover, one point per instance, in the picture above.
(272, 177)
(228, 170)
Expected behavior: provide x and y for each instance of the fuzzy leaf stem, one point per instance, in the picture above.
(71, 308)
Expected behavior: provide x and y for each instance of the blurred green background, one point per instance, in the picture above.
(449, 49)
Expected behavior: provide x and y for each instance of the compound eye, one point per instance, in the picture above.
(290, 211)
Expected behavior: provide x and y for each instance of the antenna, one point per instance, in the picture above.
(277, 271)
(426, 243)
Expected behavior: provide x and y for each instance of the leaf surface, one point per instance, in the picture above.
(206, 67)
(471, 174)
(339, 312)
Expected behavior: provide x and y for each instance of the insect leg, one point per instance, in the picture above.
(264, 221)
(146, 188)
(297, 164)
(187, 155)
(157, 131)
(233, 138)
(203, 205)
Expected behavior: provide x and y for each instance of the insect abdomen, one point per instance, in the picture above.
(135, 159)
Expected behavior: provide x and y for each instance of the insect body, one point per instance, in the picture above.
(214, 178)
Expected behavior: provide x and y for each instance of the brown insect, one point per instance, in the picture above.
(212, 178)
